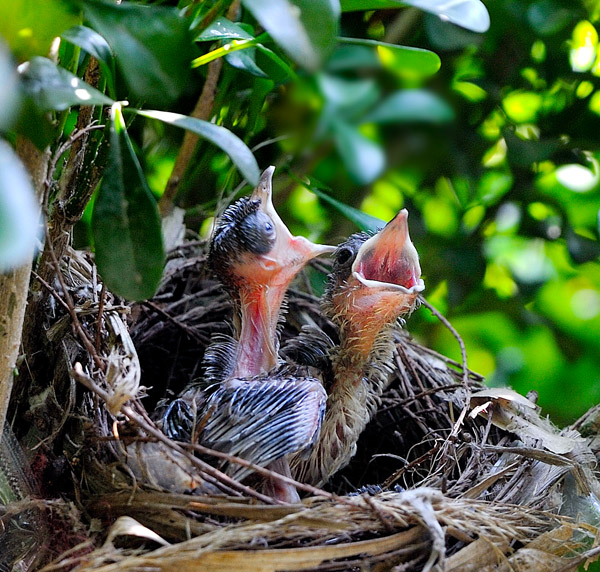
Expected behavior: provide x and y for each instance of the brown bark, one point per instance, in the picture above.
(14, 288)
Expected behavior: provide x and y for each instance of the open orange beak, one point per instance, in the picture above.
(389, 261)
(263, 277)
(385, 280)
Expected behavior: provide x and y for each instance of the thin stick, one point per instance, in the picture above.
(51, 290)
(58, 154)
(465, 370)
(463, 350)
(265, 472)
(100, 317)
(148, 427)
(71, 307)
(181, 325)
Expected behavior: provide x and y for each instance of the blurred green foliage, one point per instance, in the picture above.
(490, 137)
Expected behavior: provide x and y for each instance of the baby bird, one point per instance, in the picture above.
(240, 408)
(375, 280)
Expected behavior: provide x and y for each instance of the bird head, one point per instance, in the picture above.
(251, 245)
(375, 279)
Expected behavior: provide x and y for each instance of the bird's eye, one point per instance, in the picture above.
(344, 255)
(257, 233)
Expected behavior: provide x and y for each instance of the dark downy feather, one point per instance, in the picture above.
(278, 416)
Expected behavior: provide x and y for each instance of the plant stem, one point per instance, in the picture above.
(14, 287)
(202, 111)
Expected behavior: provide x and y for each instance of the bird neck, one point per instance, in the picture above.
(361, 366)
(360, 339)
(257, 350)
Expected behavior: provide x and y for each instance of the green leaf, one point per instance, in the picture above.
(403, 60)
(362, 220)
(9, 94)
(364, 159)
(362, 5)
(34, 124)
(470, 14)
(30, 26)
(492, 186)
(245, 60)
(95, 45)
(349, 57)
(54, 88)
(277, 69)
(223, 29)
(446, 36)
(233, 46)
(152, 46)
(237, 150)
(90, 41)
(304, 29)
(351, 97)
(125, 222)
(410, 106)
(19, 214)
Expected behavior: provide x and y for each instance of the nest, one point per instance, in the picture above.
(448, 476)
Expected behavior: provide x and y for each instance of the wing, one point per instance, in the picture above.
(178, 419)
(261, 420)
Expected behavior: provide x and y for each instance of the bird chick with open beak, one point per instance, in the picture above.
(256, 257)
(375, 280)
(249, 413)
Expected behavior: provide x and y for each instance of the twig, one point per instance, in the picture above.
(51, 290)
(416, 397)
(393, 478)
(148, 427)
(71, 307)
(465, 370)
(203, 110)
(450, 327)
(187, 329)
(58, 154)
(139, 420)
(265, 472)
(99, 320)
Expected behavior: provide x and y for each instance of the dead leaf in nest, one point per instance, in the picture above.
(160, 466)
(127, 526)
(123, 371)
(529, 560)
(514, 413)
(173, 229)
(300, 558)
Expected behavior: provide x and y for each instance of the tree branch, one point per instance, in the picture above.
(202, 111)
(14, 286)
